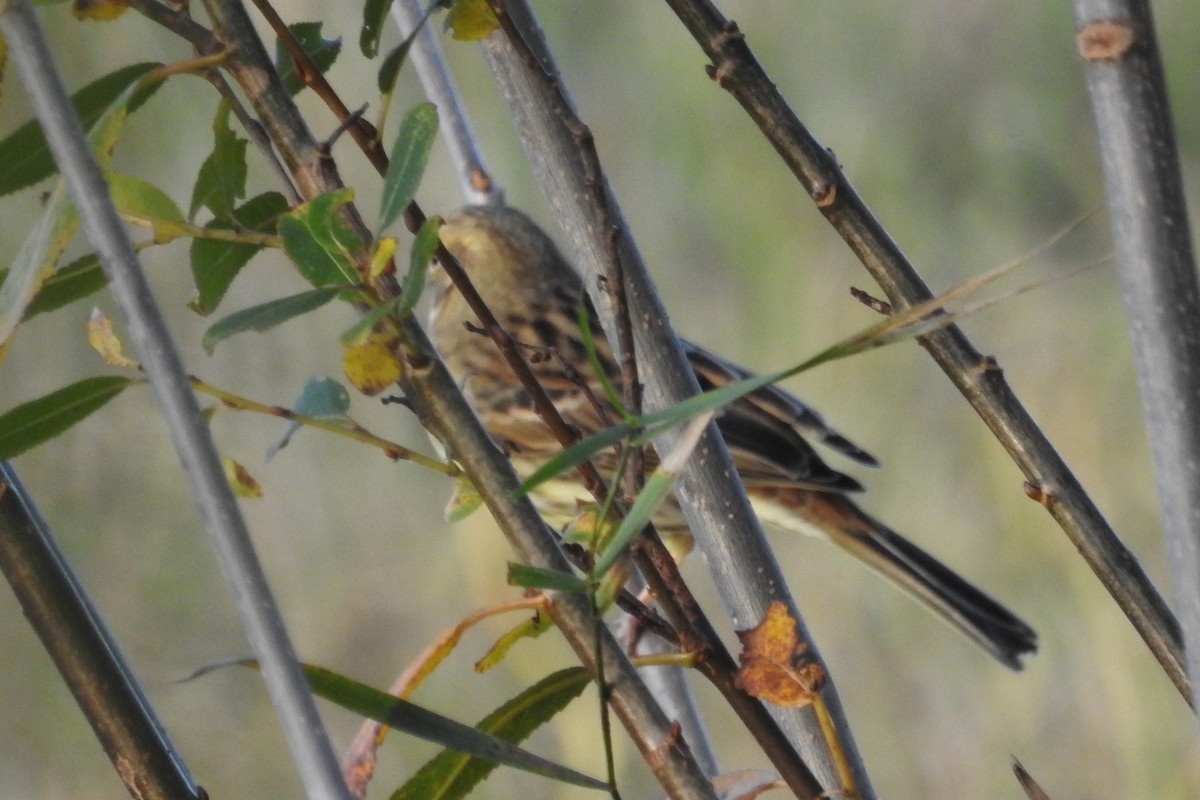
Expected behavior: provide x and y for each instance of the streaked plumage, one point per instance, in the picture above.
(535, 294)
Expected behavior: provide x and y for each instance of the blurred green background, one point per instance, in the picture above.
(964, 126)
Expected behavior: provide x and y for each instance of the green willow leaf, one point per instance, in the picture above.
(24, 155)
(37, 421)
(319, 241)
(360, 329)
(216, 263)
(424, 246)
(268, 315)
(389, 68)
(417, 721)
(145, 204)
(409, 156)
(644, 505)
(46, 241)
(576, 454)
(80, 278)
(322, 51)
(451, 775)
(221, 181)
(35, 261)
(374, 17)
(530, 577)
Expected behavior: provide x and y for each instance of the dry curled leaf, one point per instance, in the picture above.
(105, 342)
(240, 479)
(774, 666)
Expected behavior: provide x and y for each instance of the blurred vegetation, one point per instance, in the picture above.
(965, 127)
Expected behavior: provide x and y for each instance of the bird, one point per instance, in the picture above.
(536, 296)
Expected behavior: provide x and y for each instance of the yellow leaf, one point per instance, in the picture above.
(471, 20)
(99, 10)
(381, 259)
(240, 480)
(105, 342)
(370, 364)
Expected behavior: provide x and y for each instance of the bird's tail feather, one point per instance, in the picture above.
(996, 629)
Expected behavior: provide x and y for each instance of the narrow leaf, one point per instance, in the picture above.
(221, 181)
(410, 153)
(323, 52)
(24, 155)
(36, 259)
(598, 368)
(316, 264)
(216, 263)
(425, 724)
(46, 242)
(324, 213)
(576, 454)
(80, 278)
(268, 315)
(452, 775)
(145, 204)
(652, 495)
(424, 246)
(530, 577)
(647, 502)
(37, 421)
(319, 241)
(369, 320)
(389, 68)
(374, 16)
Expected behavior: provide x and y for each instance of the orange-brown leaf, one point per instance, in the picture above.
(774, 666)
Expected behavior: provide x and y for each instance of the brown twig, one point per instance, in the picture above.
(362, 131)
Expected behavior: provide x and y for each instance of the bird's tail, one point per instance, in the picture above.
(992, 626)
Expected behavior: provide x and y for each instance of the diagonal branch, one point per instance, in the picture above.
(716, 509)
(979, 378)
(1157, 267)
(441, 407)
(286, 684)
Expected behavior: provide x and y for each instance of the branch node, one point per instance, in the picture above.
(1105, 40)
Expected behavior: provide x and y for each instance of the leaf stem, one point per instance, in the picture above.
(392, 450)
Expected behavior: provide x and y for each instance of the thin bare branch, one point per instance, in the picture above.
(716, 508)
(86, 656)
(474, 179)
(979, 378)
(1153, 246)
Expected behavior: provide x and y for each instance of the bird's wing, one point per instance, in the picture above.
(766, 432)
